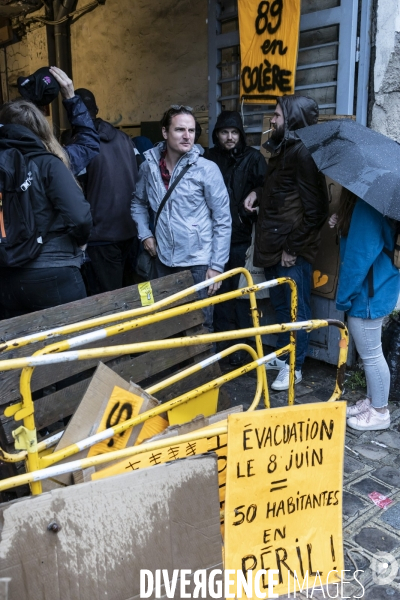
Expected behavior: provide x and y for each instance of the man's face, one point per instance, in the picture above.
(228, 137)
(180, 135)
(278, 123)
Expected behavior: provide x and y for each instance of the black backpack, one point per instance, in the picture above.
(20, 240)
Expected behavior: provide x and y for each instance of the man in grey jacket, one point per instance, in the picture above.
(193, 230)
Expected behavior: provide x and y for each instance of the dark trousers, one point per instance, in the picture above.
(301, 273)
(233, 314)
(105, 270)
(199, 274)
(26, 290)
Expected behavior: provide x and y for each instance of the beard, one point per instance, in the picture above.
(278, 133)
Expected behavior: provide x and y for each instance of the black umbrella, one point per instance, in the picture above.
(360, 159)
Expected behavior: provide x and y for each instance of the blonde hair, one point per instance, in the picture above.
(23, 112)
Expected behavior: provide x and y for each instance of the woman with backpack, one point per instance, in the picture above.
(369, 286)
(41, 269)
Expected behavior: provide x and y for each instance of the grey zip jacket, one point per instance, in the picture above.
(194, 227)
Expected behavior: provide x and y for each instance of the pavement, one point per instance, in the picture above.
(371, 464)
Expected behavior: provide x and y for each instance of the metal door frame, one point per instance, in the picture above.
(352, 49)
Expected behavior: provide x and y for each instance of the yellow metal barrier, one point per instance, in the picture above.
(41, 446)
(161, 304)
(26, 436)
(37, 474)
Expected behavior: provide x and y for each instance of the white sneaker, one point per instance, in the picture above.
(275, 364)
(282, 381)
(357, 408)
(370, 420)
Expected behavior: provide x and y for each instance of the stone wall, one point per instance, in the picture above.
(137, 56)
(23, 58)
(386, 70)
(140, 56)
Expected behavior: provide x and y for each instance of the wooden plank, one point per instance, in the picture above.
(94, 306)
(63, 403)
(45, 376)
(49, 374)
(118, 302)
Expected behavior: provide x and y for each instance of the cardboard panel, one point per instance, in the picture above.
(327, 262)
(96, 403)
(97, 407)
(161, 518)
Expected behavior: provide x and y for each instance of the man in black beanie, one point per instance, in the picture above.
(243, 169)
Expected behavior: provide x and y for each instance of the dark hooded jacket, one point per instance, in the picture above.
(109, 184)
(243, 170)
(62, 215)
(294, 199)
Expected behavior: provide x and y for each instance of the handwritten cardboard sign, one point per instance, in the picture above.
(269, 33)
(283, 506)
(121, 406)
(153, 458)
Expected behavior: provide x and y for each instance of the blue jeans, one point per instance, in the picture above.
(199, 274)
(367, 334)
(233, 314)
(301, 273)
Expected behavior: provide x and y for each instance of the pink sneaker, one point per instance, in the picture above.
(370, 420)
(357, 408)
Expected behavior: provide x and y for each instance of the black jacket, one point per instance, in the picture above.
(110, 182)
(243, 169)
(294, 200)
(62, 214)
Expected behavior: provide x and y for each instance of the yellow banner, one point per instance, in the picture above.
(269, 33)
(283, 506)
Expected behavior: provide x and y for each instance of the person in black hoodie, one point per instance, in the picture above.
(62, 217)
(109, 183)
(243, 169)
(293, 208)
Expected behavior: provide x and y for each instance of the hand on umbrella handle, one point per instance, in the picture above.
(333, 220)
